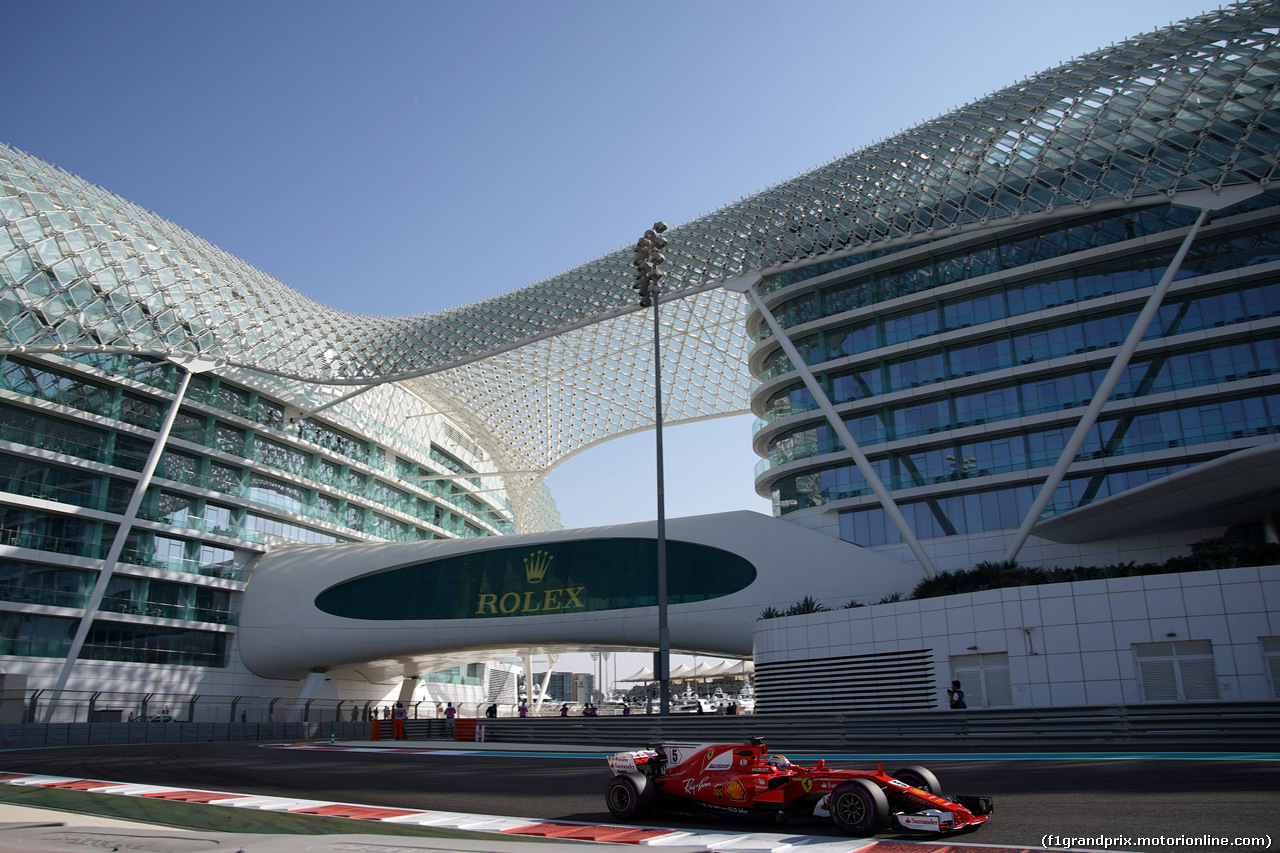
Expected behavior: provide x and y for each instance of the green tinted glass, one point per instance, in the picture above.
(551, 578)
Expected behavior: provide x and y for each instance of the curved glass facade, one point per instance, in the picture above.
(1185, 108)
(235, 477)
(961, 367)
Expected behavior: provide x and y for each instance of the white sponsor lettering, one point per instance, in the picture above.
(625, 762)
(927, 822)
(692, 787)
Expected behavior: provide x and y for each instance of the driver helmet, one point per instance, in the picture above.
(779, 761)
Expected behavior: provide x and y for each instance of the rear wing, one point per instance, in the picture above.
(638, 761)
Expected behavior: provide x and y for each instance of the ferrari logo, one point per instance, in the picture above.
(807, 785)
(711, 753)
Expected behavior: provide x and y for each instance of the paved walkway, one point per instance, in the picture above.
(10, 813)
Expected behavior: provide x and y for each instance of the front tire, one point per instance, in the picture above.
(919, 777)
(630, 796)
(859, 807)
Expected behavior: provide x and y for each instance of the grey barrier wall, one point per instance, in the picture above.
(1180, 727)
(38, 735)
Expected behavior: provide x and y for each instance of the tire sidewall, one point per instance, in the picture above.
(919, 777)
(639, 796)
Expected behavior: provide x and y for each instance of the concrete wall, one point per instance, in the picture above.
(1067, 644)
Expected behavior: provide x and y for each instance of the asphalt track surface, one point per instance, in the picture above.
(1082, 798)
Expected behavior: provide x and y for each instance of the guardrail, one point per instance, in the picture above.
(1181, 727)
(101, 706)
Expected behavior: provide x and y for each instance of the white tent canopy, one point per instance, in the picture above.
(713, 670)
(741, 667)
(721, 669)
(701, 670)
(681, 672)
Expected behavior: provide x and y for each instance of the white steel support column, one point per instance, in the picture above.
(1204, 201)
(314, 679)
(838, 425)
(546, 679)
(122, 532)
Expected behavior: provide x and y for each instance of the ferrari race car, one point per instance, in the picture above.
(743, 779)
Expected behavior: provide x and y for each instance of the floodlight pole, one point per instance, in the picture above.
(664, 633)
(648, 256)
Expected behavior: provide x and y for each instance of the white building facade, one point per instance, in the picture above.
(1211, 636)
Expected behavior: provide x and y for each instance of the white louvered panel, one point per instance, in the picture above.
(1159, 680)
(996, 683)
(1273, 670)
(1199, 681)
(971, 683)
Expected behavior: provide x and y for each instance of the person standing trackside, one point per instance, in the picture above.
(398, 713)
(449, 713)
(956, 695)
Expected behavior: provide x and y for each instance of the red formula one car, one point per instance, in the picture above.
(743, 779)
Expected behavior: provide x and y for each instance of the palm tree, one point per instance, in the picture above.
(808, 604)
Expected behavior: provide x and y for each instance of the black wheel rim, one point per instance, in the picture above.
(851, 809)
(619, 798)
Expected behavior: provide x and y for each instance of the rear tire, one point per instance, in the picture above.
(859, 807)
(630, 796)
(919, 777)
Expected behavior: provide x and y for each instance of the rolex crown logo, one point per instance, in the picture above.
(536, 565)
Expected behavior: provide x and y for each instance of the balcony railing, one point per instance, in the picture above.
(166, 610)
(181, 564)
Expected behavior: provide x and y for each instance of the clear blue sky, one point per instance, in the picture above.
(405, 157)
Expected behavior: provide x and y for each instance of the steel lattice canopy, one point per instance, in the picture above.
(554, 367)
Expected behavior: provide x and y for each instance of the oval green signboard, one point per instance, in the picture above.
(550, 579)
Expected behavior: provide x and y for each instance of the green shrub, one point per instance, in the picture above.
(808, 604)
(1218, 553)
